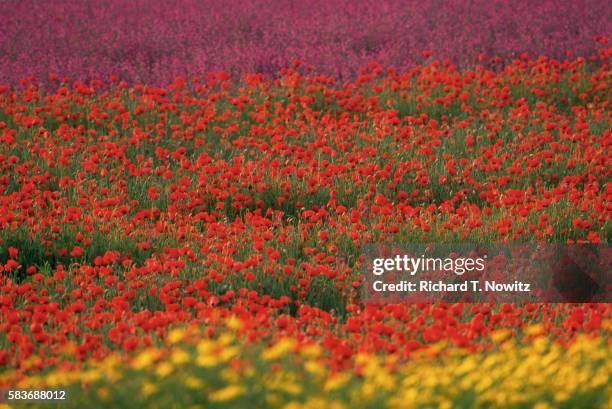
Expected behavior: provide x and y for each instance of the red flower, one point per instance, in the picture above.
(76, 251)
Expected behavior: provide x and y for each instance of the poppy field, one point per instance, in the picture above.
(132, 213)
(198, 243)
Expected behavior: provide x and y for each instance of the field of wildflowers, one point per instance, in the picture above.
(189, 233)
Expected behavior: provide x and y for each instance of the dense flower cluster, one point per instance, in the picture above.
(127, 212)
(220, 373)
(151, 42)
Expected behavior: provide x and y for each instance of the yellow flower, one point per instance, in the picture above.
(362, 358)
(31, 362)
(490, 361)
(148, 388)
(110, 362)
(500, 335)
(91, 376)
(336, 381)
(561, 395)
(534, 329)
(69, 348)
(279, 349)
(176, 335)
(540, 344)
(311, 351)
(164, 369)
(407, 398)
(207, 361)
(228, 393)
(226, 338)
(436, 348)
(315, 368)
(601, 377)
(193, 382)
(55, 378)
(145, 359)
(468, 366)
(484, 383)
(507, 345)
(292, 388)
(446, 404)
(230, 375)
(228, 353)
(35, 381)
(205, 347)
(179, 357)
(234, 323)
